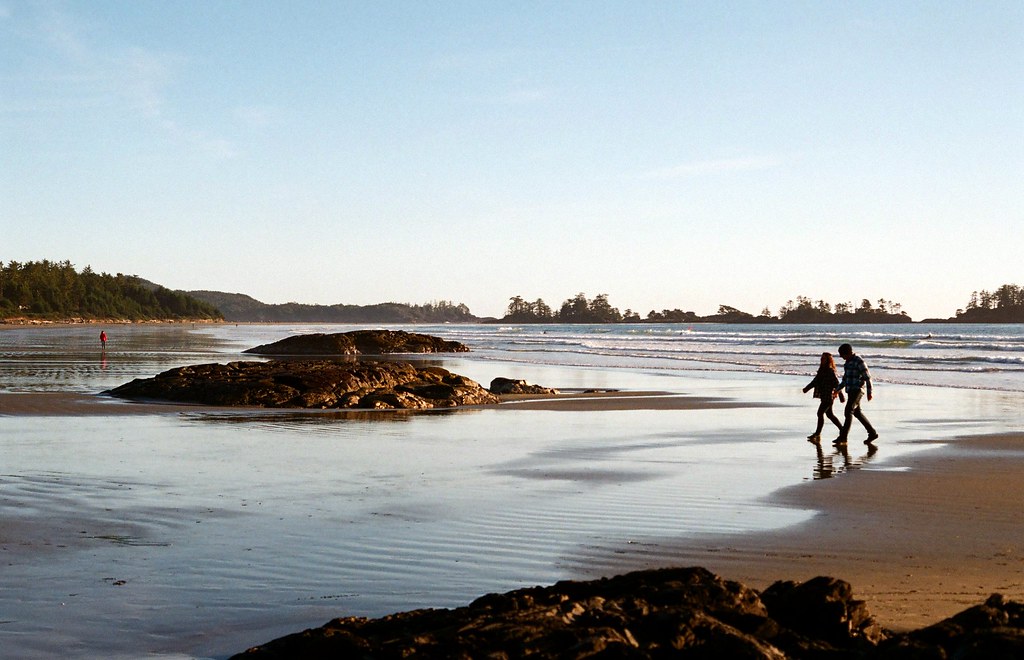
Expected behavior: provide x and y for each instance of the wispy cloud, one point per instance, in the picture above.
(713, 167)
(132, 79)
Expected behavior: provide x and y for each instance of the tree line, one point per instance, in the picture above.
(242, 308)
(573, 310)
(57, 291)
(1004, 305)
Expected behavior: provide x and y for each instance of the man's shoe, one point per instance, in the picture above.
(839, 441)
(871, 438)
(814, 437)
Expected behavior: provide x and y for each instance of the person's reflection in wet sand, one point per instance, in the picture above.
(826, 468)
(823, 469)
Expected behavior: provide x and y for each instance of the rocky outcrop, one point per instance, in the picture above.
(994, 629)
(359, 342)
(509, 386)
(311, 384)
(667, 613)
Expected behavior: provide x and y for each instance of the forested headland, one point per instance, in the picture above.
(52, 291)
(56, 291)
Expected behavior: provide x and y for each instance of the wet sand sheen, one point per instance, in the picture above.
(565, 495)
(237, 525)
(60, 404)
(129, 528)
(920, 541)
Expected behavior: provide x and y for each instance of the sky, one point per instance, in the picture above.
(670, 154)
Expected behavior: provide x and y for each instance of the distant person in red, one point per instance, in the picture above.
(103, 338)
(824, 385)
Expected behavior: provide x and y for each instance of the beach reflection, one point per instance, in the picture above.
(322, 421)
(839, 461)
(63, 358)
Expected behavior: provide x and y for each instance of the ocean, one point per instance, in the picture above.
(945, 355)
(200, 534)
(961, 356)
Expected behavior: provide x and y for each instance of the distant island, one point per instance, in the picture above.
(47, 291)
(1005, 305)
(582, 310)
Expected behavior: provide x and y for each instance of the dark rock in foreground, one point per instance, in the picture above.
(667, 613)
(360, 342)
(311, 384)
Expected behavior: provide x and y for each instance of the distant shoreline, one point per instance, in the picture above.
(21, 322)
(25, 322)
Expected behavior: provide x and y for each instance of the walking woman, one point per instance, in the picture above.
(824, 385)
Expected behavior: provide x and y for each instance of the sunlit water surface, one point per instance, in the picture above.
(201, 534)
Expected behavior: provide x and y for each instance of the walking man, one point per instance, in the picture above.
(857, 382)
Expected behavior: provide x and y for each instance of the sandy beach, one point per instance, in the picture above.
(193, 531)
(921, 539)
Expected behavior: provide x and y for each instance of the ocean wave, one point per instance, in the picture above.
(954, 356)
(894, 342)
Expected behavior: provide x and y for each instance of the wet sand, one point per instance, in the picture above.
(919, 537)
(919, 540)
(70, 404)
(920, 544)
(59, 404)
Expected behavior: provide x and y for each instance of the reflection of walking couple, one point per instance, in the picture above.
(825, 468)
(856, 382)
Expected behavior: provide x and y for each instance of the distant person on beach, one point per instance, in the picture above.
(103, 338)
(824, 385)
(857, 382)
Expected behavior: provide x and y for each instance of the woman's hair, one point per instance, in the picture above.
(827, 361)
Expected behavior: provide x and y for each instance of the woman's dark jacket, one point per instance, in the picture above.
(824, 383)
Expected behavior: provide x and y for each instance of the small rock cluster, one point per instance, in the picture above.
(666, 613)
(509, 386)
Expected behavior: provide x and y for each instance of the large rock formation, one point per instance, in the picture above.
(359, 342)
(311, 384)
(667, 613)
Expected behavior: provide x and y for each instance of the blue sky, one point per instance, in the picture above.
(668, 154)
